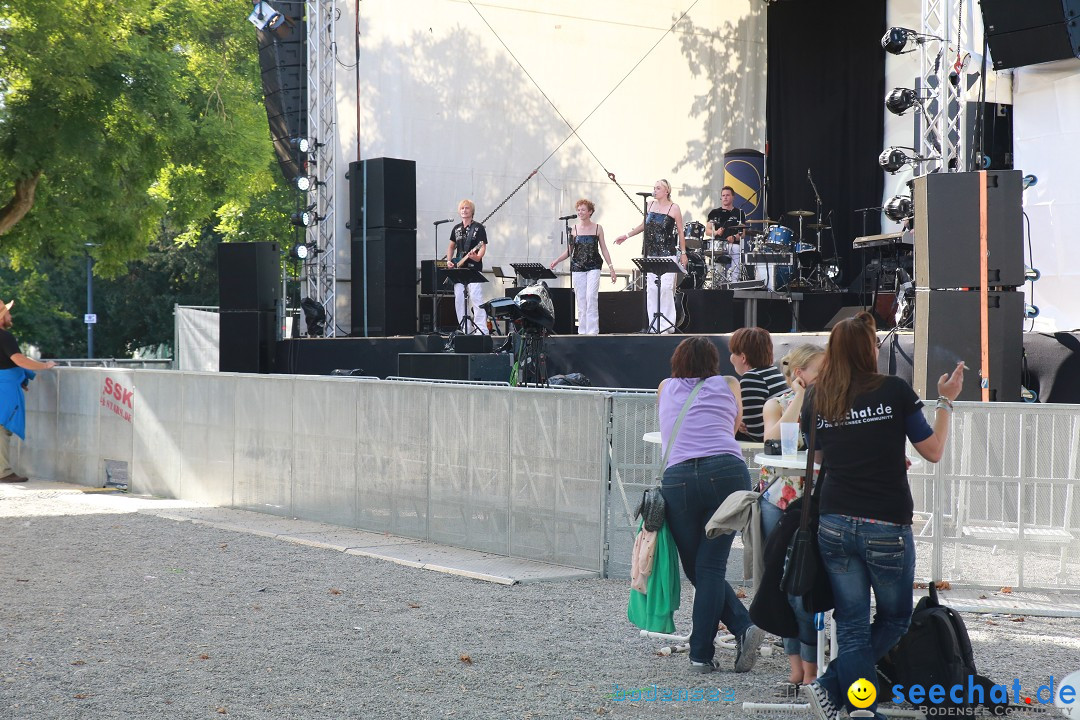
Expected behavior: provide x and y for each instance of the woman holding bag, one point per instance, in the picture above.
(864, 527)
(704, 466)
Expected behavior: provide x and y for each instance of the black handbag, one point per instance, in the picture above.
(804, 573)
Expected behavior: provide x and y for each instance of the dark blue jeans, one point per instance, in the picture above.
(860, 556)
(693, 490)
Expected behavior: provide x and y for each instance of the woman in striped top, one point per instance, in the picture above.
(752, 357)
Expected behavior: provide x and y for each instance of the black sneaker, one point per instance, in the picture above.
(747, 648)
(703, 667)
(820, 704)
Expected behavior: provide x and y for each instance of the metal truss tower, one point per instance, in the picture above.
(943, 122)
(320, 268)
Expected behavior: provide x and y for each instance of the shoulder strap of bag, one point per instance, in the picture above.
(808, 478)
(678, 422)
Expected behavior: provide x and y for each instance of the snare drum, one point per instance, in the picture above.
(694, 232)
(780, 235)
(715, 246)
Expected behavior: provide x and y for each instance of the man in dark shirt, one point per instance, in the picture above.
(719, 226)
(15, 370)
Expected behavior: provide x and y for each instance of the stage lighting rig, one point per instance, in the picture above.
(900, 100)
(894, 159)
(306, 217)
(899, 208)
(898, 40)
(265, 17)
(305, 145)
(303, 251)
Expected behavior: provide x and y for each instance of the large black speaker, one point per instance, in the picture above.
(455, 366)
(428, 277)
(391, 194)
(947, 331)
(247, 339)
(996, 136)
(565, 306)
(389, 280)
(249, 276)
(947, 209)
(711, 311)
(1035, 31)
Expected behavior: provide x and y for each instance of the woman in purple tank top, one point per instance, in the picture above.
(704, 466)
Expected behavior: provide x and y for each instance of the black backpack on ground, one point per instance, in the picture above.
(936, 650)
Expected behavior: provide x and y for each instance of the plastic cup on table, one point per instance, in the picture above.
(789, 439)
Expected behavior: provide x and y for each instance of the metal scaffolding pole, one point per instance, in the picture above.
(320, 269)
(942, 137)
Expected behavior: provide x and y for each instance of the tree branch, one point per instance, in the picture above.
(21, 203)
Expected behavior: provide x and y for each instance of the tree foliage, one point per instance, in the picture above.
(124, 122)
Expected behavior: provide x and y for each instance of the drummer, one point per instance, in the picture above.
(722, 220)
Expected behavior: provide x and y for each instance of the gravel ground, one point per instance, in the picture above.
(110, 613)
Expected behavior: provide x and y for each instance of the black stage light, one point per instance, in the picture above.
(898, 208)
(303, 251)
(893, 159)
(896, 39)
(900, 100)
(503, 307)
(314, 317)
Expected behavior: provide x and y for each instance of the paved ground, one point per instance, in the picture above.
(107, 612)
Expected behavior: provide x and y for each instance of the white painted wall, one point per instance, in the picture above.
(439, 84)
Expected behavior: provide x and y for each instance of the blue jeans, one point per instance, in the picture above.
(860, 556)
(692, 491)
(805, 645)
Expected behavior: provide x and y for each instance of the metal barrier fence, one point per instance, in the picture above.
(550, 475)
(511, 471)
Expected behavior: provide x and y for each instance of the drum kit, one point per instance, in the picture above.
(767, 251)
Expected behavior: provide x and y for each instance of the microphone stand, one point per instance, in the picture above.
(817, 199)
(435, 281)
(645, 214)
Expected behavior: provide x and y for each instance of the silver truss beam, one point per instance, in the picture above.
(942, 136)
(320, 269)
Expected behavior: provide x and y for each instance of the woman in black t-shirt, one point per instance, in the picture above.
(864, 531)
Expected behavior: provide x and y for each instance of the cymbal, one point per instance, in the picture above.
(736, 227)
(799, 213)
(761, 222)
(818, 226)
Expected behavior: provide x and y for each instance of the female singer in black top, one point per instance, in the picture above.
(664, 237)
(584, 249)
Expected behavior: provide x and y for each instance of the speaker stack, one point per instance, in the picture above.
(249, 291)
(950, 210)
(382, 201)
(283, 62)
(1032, 32)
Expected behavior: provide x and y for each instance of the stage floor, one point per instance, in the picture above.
(1052, 361)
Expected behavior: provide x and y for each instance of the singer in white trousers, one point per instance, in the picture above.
(476, 299)
(586, 290)
(666, 301)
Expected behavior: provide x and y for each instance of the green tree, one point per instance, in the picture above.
(118, 119)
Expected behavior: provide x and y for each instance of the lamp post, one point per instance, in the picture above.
(90, 318)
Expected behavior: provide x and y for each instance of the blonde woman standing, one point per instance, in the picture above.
(664, 237)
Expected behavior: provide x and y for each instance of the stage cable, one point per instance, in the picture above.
(574, 130)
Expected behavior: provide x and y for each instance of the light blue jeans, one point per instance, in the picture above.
(805, 645)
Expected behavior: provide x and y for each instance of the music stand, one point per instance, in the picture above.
(531, 272)
(659, 266)
(463, 276)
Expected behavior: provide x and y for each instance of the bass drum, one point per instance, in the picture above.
(695, 267)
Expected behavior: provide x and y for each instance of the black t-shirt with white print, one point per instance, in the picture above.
(864, 456)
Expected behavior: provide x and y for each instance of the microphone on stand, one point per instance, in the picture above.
(440, 222)
(568, 217)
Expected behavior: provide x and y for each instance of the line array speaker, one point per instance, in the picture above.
(249, 276)
(384, 266)
(947, 331)
(1032, 32)
(947, 207)
(283, 61)
(391, 194)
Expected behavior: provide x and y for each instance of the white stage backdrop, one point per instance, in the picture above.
(1047, 145)
(473, 92)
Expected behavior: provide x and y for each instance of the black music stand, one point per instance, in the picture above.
(463, 276)
(531, 272)
(659, 266)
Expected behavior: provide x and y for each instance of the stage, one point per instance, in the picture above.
(641, 361)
